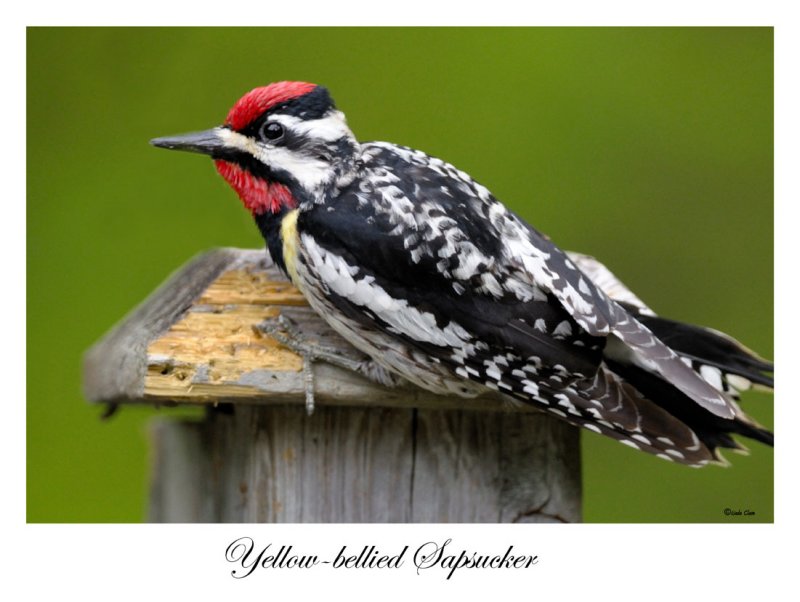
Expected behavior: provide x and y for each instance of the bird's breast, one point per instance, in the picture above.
(289, 245)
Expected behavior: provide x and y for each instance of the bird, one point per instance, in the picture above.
(439, 284)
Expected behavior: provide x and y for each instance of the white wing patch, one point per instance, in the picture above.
(364, 292)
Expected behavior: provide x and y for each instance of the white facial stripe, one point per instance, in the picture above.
(310, 172)
(238, 141)
(329, 128)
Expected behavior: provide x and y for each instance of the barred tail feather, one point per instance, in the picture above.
(633, 342)
(738, 367)
(721, 361)
(714, 432)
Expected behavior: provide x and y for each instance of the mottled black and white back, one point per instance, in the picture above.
(422, 269)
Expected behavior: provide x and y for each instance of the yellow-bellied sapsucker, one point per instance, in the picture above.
(422, 269)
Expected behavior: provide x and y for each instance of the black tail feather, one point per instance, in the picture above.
(711, 348)
(715, 432)
(703, 347)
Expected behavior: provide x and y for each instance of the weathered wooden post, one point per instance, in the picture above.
(367, 454)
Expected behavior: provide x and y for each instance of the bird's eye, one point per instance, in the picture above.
(271, 131)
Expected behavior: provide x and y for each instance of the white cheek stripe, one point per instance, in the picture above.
(308, 171)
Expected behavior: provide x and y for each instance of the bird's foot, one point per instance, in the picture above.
(286, 332)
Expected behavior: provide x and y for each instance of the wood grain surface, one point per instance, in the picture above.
(367, 454)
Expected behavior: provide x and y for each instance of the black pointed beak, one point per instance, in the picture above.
(208, 142)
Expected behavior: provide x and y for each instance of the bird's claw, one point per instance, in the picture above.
(286, 332)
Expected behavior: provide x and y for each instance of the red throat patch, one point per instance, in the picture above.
(258, 196)
(255, 102)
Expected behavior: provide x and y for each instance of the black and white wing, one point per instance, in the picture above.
(419, 250)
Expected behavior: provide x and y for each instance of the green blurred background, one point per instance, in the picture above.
(648, 148)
